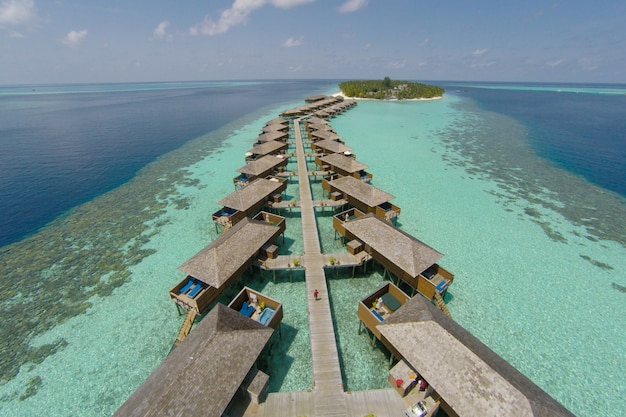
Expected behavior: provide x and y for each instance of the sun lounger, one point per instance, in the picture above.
(186, 287)
(377, 315)
(195, 290)
(246, 309)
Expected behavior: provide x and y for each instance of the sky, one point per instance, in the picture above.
(88, 41)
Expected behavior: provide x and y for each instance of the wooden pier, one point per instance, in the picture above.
(329, 396)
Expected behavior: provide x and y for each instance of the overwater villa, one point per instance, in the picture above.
(363, 196)
(319, 135)
(277, 120)
(217, 266)
(401, 254)
(249, 200)
(210, 372)
(272, 147)
(462, 374)
(276, 127)
(260, 168)
(316, 123)
(344, 165)
(270, 136)
(216, 370)
(329, 146)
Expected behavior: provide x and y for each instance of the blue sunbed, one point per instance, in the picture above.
(246, 309)
(377, 314)
(195, 290)
(186, 287)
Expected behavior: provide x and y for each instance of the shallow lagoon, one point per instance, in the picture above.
(523, 268)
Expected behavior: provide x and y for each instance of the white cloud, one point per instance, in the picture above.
(352, 6)
(74, 38)
(17, 12)
(160, 32)
(367, 46)
(238, 15)
(555, 63)
(297, 68)
(396, 64)
(424, 42)
(480, 52)
(292, 42)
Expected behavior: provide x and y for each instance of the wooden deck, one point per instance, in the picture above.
(327, 396)
(330, 399)
(382, 402)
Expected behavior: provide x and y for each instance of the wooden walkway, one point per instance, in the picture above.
(327, 398)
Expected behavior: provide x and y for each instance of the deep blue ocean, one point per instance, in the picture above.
(571, 125)
(63, 145)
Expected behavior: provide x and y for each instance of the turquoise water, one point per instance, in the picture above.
(533, 280)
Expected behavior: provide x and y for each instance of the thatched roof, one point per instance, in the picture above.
(275, 127)
(325, 134)
(312, 99)
(219, 261)
(315, 119)
(203, 373)
(261, 165)
(344, 163)
(469, 376)
(268, 147)
(359, 190)
(398, 247)
(332, 146)
(321, 126)
(275, 135)
(250, 195)
(277, 121)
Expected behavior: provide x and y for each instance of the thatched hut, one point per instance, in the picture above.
(345, 166)
(403, 255)
(274, 135)
(221, 263)
(363, 196)
(467, 377)
(201, 376)
(314, 99)
(272, 147)
(318, 135)
(276, 127)
(260, 168)
(277, 121)
(249, 200)
(330, 146)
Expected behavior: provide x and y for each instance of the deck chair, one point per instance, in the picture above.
(186, 287)
(195, 290)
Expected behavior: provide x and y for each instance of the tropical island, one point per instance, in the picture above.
(388, 89)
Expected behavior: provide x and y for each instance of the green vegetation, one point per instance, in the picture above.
(388, 89)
